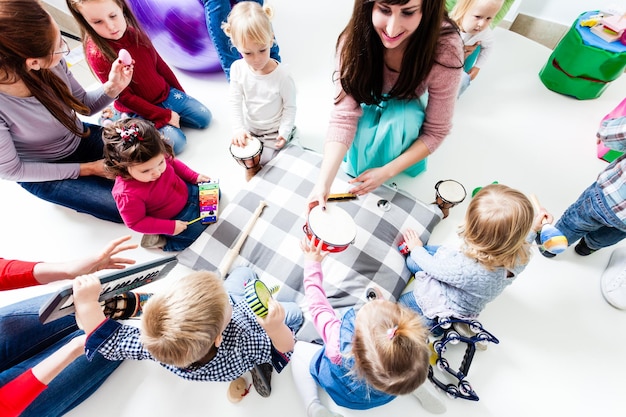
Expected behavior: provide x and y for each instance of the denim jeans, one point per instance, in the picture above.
(216, 12)
(591, 217)
(24, 342)
(90, 195)
(465, 82)
(192, 114)
(235, 283)
(408, 299)
(468, 65)
(190, 212)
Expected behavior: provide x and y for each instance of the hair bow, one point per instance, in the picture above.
(129, 134)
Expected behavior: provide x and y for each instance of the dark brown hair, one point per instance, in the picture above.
(362, 52)
(129, 142)
(26, 31)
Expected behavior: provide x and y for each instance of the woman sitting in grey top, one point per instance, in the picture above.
(43, 144)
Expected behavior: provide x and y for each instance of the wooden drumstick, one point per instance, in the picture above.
(233, 252)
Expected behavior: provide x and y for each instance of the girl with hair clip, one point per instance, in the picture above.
(155, 193)
(474, 18)
(368, 358)
(399, 66)
(500, 225)
(107, 26)
(262, 94)
(43, 144)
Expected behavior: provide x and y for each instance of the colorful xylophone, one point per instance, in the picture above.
(209, 201)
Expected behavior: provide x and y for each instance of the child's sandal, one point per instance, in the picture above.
(238, 389)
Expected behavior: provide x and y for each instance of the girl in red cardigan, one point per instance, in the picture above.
(154, 94)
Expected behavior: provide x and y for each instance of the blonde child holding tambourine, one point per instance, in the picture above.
(262, 94)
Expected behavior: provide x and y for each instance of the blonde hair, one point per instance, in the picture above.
(462, 7)
(390, 347)
(249, 22)
(497, 223)
(180, 325)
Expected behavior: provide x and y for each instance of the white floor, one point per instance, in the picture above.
(561, 350)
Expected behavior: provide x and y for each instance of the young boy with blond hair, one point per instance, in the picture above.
(200, 329)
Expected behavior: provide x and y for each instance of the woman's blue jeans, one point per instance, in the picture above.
(24, 342)
(591, 217)
(216, 12)
(90, 195)
(240, 276)
(192, 114)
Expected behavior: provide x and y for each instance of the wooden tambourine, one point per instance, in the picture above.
(258, 296)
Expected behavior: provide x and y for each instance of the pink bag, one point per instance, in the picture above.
(605, 153)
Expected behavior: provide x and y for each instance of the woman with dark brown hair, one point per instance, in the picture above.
(399, 66)
(43, 144)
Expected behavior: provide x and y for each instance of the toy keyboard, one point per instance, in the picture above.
(61, 303)
(209, 200)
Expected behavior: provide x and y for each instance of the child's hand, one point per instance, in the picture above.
(473, 72)
(312, 252)
(412, 239)
(541, 218)
(86, 289)
(240, 138)
(280, 142)
(275, 316)
(275, 327)
(469, 49)
(202, 178)
(180, 226)
(174, 119)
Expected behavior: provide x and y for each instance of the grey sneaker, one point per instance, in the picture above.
(262, 378)
(430, 398)
(613, 280)
(153, 241)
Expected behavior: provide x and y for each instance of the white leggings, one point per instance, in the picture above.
(300, 363)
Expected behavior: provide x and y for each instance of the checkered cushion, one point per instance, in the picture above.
(272, 249)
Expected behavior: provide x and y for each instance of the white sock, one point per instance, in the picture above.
(316, 409)
(430, 399)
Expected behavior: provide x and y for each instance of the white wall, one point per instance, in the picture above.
(59, 4)
(566, 11)
(560, 11)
